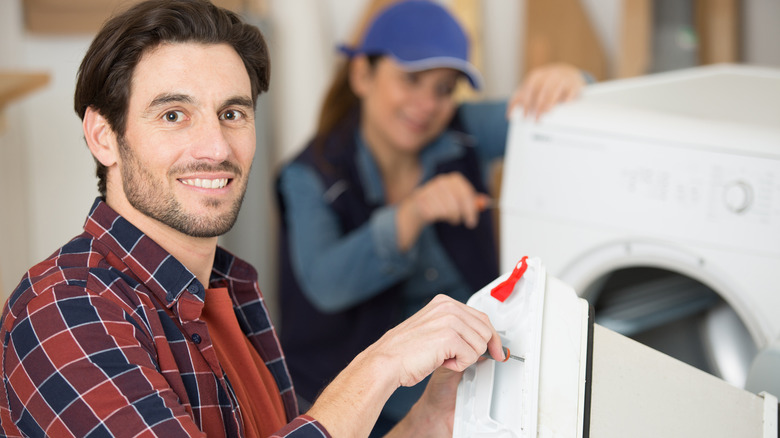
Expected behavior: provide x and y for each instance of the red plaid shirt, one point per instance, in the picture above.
(104, 339)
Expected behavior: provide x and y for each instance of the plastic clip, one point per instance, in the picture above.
(505, 288)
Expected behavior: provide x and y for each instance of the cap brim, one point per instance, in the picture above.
(349, 51)
(468, 69)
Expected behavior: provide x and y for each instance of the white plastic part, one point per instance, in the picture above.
(545, 322)
(770, 415)
(490, 393)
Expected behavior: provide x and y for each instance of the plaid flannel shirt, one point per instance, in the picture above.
(104, 339)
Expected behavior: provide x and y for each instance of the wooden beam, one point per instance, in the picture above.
(84, 16)
(367, 17)
(14, 85)
(636, 30)
(469, 14)
(561, 31)
(717, 24)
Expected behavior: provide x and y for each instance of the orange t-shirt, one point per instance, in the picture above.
(258, 396)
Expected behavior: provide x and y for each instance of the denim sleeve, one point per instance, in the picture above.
(487, 122)
(338, 270)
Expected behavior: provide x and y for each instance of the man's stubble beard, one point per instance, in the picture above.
(160, 204)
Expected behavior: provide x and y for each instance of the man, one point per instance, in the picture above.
(142, 325)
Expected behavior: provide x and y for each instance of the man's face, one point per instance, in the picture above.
(190, 138)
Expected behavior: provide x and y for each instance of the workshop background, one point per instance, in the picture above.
(47, 181)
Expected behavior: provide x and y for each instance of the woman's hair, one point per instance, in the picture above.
(105, 75)
(340, 101)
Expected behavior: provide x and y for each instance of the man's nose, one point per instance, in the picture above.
(211, 142)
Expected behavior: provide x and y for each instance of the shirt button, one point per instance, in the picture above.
(196, 338)
(431, 274)
(193, 288)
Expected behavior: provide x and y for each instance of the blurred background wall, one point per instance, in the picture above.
(47, 174)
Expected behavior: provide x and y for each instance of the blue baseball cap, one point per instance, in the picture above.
(419, 35)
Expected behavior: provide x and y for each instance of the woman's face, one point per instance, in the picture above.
(403, 110)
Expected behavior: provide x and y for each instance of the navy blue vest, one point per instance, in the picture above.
(317, 345)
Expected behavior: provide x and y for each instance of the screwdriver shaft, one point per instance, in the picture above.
(507, 354)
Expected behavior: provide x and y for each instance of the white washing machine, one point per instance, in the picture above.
(658, 200)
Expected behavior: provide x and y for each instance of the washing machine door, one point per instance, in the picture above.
(671, 300)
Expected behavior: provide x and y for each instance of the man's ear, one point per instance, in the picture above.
(101, 139)
(360, 75)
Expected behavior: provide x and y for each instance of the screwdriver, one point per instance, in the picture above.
(507, 355)
(486, 202)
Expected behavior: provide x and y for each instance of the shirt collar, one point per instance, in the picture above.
(445, 147)
(157, 269)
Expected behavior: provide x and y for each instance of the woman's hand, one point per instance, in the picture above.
(448, 198)
(546, 86)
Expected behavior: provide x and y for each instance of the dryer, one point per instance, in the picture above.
(658, 199)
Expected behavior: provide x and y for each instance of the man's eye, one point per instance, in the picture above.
(231, 115)
(174, 116)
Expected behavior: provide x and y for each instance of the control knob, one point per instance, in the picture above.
(738, 196)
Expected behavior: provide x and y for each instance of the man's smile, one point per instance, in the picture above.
(216, 183)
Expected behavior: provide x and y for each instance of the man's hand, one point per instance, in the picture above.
(444, 334)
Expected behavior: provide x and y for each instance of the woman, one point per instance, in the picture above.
(386, 206)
